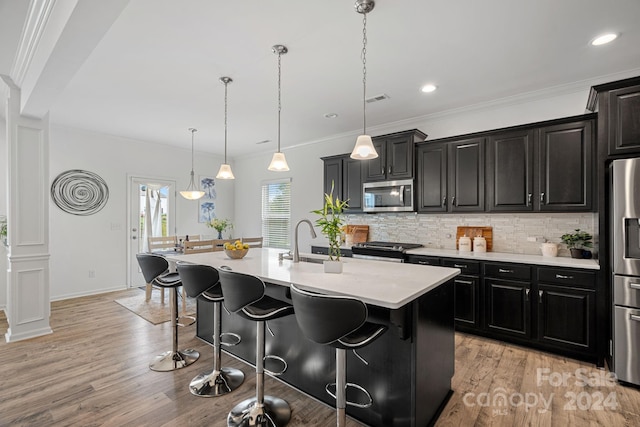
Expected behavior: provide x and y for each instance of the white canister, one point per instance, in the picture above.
(549, 249)
(464, 244)
(479, 244)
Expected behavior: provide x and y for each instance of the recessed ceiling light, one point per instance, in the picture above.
(604, 39)
(428, 88)
(330, 115)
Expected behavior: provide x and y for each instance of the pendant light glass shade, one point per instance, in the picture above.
(225, 172)
(278, 161)
(225, 168)
(192, 192)
(364, 148)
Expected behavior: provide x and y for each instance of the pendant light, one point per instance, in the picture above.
(225, 168)
(364, 148)
(278, 161)
(192, 192)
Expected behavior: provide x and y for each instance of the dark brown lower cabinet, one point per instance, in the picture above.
(466, 291)
(508, 310)
(566, 317)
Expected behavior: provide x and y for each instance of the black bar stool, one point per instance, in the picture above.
(155, 270)
(204, 280)
(244, 295)
(341, 323)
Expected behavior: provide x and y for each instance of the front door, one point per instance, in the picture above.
(151, 213)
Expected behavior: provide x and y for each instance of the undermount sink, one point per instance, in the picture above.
(311, 260)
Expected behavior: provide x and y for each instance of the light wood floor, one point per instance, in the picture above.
(93, 371)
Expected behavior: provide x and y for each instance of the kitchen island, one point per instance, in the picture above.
(410, 366)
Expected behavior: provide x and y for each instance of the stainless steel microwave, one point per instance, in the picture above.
(388, 196)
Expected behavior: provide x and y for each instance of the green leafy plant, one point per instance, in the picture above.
(331, 222)
(577, 240)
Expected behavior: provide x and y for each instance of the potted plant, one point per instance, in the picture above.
(577, 242)
(330, 223)
(220, 225)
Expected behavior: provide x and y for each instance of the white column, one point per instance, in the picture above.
(28, 306)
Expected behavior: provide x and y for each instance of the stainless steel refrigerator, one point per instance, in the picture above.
(625, 229)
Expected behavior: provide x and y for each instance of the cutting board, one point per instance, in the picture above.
(358, 233)
(473, 231)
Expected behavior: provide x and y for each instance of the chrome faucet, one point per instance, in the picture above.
(296, 254)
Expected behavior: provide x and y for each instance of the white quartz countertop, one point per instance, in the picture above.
(590, 264)
(380, 283)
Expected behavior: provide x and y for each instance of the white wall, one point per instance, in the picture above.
(3, 209)
(307, 168)
(99, 242)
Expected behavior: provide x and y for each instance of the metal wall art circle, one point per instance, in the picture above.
(79, 192)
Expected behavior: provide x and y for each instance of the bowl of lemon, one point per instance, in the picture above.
(236, 250)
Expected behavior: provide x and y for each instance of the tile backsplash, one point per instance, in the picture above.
(510, 231)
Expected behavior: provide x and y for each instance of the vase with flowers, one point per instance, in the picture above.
(220, 225)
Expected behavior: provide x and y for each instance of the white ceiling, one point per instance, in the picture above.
(155, 72)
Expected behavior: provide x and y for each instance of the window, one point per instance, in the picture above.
(276, 213)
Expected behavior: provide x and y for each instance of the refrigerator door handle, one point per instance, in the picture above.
(634, 317)
(634, 285)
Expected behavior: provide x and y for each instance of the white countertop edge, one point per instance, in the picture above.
(379, 283)
(590, 264)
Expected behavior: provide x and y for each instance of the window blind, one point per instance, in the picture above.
(276, 213)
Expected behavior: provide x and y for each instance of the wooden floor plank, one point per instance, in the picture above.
(93, 371)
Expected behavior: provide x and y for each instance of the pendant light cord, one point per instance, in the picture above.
(192, 132)
(364, 73)
(279, 95)
(225, 122)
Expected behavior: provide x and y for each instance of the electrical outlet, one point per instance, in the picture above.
(92, 274)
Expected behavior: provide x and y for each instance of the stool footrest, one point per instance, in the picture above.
(279, 359)
(185, 321)
(331, 386)
(237, 337)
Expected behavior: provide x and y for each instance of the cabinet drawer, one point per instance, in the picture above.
(507, 271)
(423, 260)
(467, 267)
(567, 277)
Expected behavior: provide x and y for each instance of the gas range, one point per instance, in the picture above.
(386, 251)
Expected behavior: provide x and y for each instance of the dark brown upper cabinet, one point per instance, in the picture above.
(510, 166)
(565, 167)
(545, 169)
(395, 156)
(451, 176)
(345, 174)
(624, 120)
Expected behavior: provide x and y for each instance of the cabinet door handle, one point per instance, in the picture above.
(542, 198)
(561, 276)
(444, 201)
(540, 296)
(526, 291)
(634, 317)
(459, 265)
(424, 263)
(382, 171)
(634, 285)
(502, 270)
(389, 170)
(465, 282)
(529, 197)
(453, 201)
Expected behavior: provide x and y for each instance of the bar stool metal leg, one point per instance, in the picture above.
(341, 387)
(174, 359)
(260, 410)
(220, 381)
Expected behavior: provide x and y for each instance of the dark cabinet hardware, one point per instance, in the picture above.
(529, 197)
(542, 198)
(540, 296)
(526, 294)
